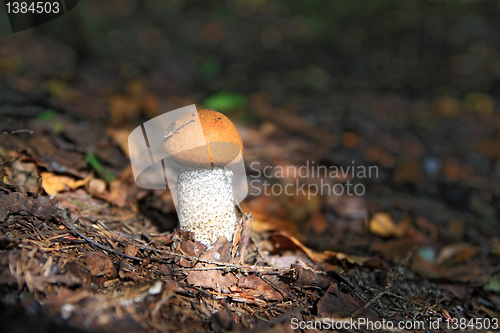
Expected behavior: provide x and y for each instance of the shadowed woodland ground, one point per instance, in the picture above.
(411, 88)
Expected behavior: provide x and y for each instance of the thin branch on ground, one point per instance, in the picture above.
(30, 132)
(68, 222)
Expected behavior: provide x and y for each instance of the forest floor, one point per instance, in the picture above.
(81, 245)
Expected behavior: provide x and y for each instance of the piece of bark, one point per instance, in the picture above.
(99, 264)
(307, 277)
(15, 202)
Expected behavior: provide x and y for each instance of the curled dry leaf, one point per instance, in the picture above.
(456, 253)
(460, 273)
(395, 250)
(353, 259)
(283, 241)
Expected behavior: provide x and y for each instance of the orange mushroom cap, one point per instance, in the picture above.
(222, 146)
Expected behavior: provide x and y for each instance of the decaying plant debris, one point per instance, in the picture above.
(82, 261)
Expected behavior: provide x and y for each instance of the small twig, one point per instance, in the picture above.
(18, 131)
(185, 256)
(68, 222)
(229, 267)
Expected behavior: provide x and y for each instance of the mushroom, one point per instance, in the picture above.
(205, 198)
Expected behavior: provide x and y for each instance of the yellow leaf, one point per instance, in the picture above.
(383, 225)
(53, 183)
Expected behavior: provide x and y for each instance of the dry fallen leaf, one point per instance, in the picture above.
(270, 214)
(382, 224)
(456, 253)
(16, 202)
(53, 183)
(283, 241)
(21, 174)
(117, 193)
(453, 272)
(353, 259)
(258, 287)
(208, 276)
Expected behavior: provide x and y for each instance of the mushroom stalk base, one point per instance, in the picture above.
(206, 203)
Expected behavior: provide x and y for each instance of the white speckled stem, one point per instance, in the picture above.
(206, 203)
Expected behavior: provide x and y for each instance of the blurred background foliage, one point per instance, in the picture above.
(418, 49)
